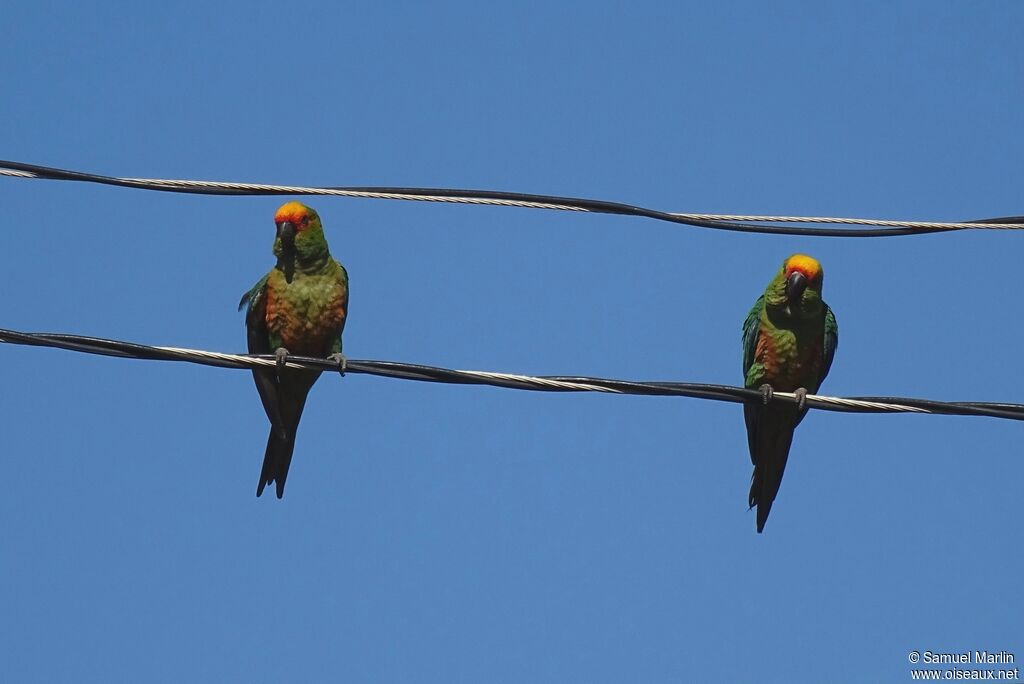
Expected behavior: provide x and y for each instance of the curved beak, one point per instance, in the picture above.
(796, 283)
(286, 231)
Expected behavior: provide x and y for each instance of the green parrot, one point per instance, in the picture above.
(300, 308)
(789, 340)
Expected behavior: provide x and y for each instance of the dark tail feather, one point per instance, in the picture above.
(290, 397)
(276, 461)
(760, 497)
(770, 444)
(762, 515)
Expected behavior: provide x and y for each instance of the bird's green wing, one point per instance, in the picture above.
(831, 342)
(255, 303)
(751, 329)
(258, 339)
(343, 281)
(751, 412)
(255, 293)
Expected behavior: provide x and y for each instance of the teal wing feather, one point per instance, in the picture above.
(751, 331)
(343, 281)
(252, 297)
(831, 342)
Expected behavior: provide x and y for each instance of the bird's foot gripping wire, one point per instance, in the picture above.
(280, 357)
(801, 398)
(342, 362)
(767, 393)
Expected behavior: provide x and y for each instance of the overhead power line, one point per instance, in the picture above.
(731, 222)
(547, 383)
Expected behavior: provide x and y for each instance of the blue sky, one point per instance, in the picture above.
(435, 533)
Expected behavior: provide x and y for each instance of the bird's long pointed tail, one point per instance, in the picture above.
(761, 497)
(772, 441)
(291, 399)
(276, 461)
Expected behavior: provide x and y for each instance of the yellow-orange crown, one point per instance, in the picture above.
(809, 266)
(294, 212)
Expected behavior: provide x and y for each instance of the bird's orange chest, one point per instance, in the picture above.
(307, 315)
(789, 363)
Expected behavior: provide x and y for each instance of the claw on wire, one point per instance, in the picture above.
(767, 393)
(341, 361)
(280, 357)
(801, 398)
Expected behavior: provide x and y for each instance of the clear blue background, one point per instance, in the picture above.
(437, 533)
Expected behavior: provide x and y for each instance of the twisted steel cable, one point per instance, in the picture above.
(730, 222)
(547, 383)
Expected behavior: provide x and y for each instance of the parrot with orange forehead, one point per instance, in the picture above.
(298, 308)
(789, 340)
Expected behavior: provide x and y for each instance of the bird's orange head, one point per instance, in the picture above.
(807, 266)
(297, 214)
